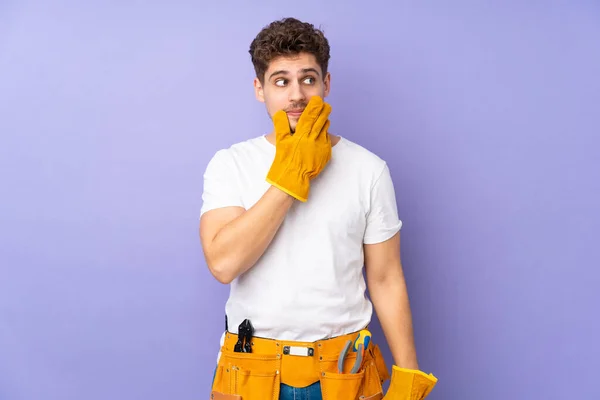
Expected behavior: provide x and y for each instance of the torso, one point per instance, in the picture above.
(308, 285)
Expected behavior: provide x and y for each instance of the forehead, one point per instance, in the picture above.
(293, 63)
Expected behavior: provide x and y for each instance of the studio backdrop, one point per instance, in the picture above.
(488, 114)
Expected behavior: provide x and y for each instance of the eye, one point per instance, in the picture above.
(280, 82)
(309, 80)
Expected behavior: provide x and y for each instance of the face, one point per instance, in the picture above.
(289, 83)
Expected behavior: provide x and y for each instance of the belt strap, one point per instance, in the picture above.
(301, 362)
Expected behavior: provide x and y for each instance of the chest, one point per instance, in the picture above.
(336, 209)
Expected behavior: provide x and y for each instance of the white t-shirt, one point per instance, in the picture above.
(308, 285)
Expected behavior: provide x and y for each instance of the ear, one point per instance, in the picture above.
(259, 91)
(327, 83)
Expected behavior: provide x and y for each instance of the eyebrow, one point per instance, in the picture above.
(285, 72)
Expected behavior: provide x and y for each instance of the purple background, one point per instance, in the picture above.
(489, 117)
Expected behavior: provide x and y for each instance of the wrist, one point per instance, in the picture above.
(281, 194)
(292, 183)
(407, 365)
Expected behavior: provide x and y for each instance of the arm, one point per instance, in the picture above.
(233, 239)
(389, 295)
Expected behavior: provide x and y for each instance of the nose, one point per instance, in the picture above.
(296, 93)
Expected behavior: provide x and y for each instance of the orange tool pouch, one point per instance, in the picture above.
(258, 375)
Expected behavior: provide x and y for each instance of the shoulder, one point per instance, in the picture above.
(245, 146)
(365, 160)
(228, 156)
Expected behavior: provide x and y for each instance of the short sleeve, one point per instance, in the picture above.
(382, 218)
(221, 187)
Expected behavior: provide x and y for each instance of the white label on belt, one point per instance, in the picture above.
(299, 351)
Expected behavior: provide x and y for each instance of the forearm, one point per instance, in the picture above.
(239, 244)
(390, 299)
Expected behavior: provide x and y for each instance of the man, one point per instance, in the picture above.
(289, 219)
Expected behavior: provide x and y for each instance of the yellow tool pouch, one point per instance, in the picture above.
(258, 375)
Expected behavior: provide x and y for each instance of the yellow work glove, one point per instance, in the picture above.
(409, 384)
(301, 156)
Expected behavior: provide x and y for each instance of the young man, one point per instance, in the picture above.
(289, 219)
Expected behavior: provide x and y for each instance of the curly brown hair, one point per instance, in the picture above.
(284, 37)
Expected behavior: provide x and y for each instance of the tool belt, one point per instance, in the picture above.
(258, 375)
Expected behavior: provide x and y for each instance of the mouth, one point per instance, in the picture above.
(294, 113)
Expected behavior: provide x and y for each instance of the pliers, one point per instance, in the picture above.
(360, 345)
(245, 334)
(343, 355)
